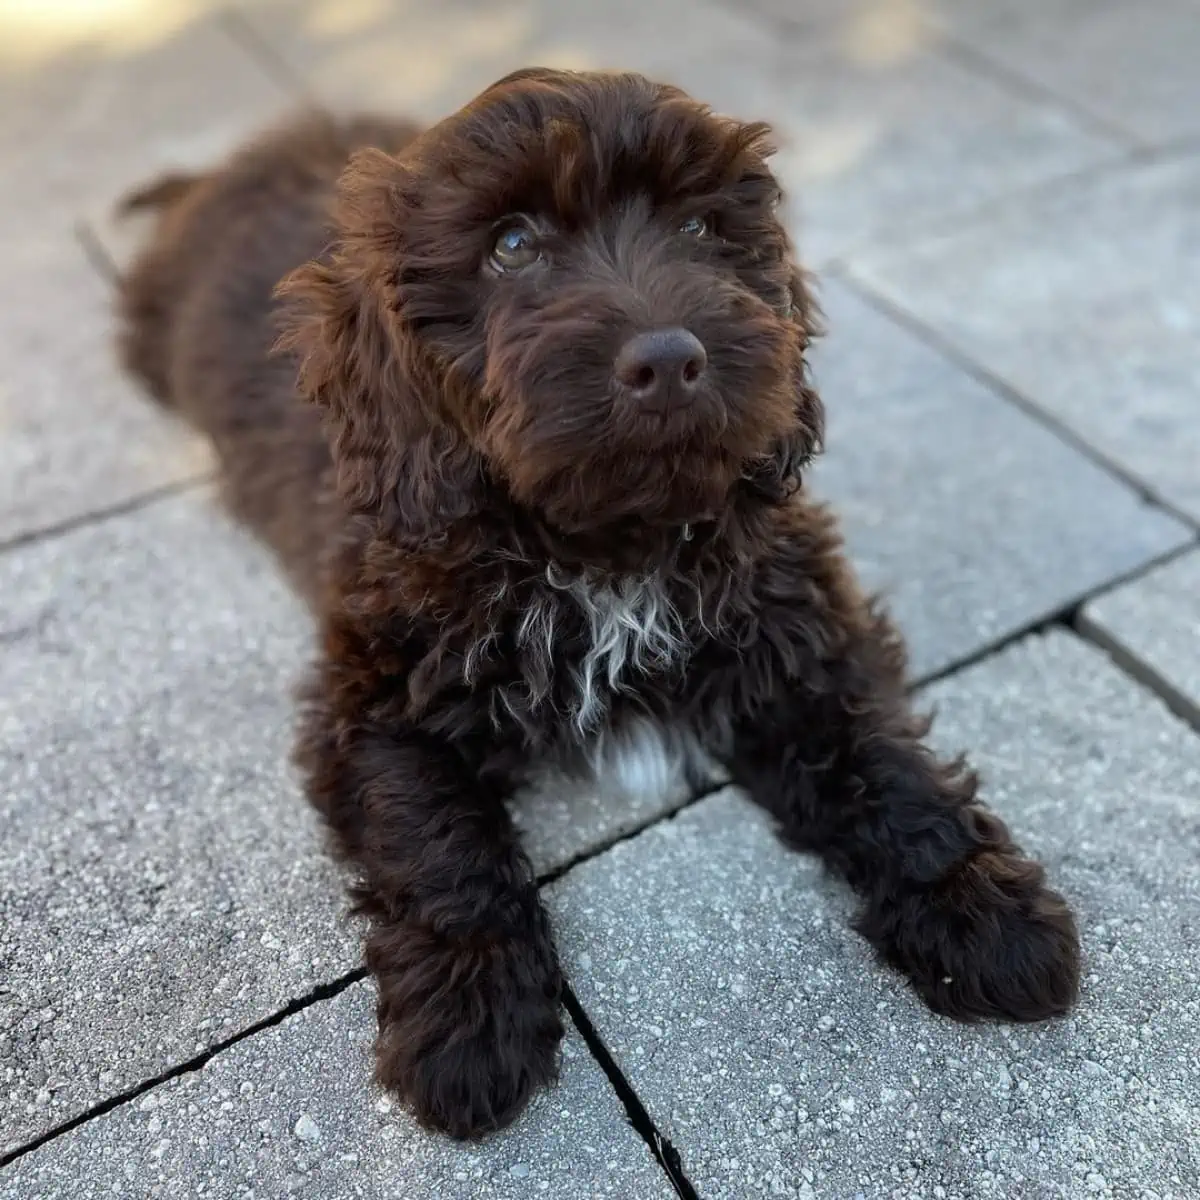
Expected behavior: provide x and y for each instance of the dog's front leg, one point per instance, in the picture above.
(947, 897)
(459, 943)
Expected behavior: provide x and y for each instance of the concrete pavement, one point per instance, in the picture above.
(1003, 201)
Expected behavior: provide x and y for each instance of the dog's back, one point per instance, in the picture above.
(198, 317)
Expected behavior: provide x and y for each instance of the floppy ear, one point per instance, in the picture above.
(399, 458)
(777, 475)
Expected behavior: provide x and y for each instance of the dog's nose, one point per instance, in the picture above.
(661, 363)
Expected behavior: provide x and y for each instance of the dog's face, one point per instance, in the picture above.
(585, 296)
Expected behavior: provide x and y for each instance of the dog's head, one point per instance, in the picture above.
(577, 290)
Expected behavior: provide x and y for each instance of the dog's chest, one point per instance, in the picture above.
(639, 766)
(578, 644)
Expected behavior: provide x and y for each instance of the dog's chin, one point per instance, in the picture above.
(671, 465)
(648, 489)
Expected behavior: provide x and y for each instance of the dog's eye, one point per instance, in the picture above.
(694, 227)
(515, 248)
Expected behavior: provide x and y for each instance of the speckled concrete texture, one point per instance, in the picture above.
(289, 1112)
(164, 874)
(1086, 301)
(1152, 625)
(1001, 200)
(972, 519)
(782, 1060)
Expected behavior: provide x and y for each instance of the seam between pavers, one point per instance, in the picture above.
(1064, 615)
(262, 54)
(556, 873)
(1000, 387)
(1069, 619)
(911, 236)
(98, 260)
(1018, 84)
(1138, 669)
(97, 256)
(643, 1124)
(784, 25)
(664, 1153)
(661, 1149)
(253, 42)
(926, 228)
(324, 991)
(146, 499)
(955, 48)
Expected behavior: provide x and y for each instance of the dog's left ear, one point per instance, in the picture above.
(777, 475)
(400, 458)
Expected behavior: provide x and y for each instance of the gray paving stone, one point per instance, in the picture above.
(880, 138)
(1127, 69)
(561, 821)
(289, 1112)
(1086, 300)
(874, 134)
(971, 517)
(885, 25)
(164, 885)
(1134, 65)
(781, 1060)
(76, 437)
(1154, 623)
(90, 108)
(453, 50)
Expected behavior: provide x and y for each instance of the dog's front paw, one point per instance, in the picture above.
(469, 1031)
(990, 942)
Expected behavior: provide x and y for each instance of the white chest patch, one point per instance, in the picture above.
(644, 759)
(638, 769)
(630, 628)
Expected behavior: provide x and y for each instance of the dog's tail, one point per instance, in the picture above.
(165, 192)
(150, 286)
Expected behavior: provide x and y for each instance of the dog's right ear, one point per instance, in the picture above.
(398, 456)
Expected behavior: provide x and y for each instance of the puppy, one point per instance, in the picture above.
(531, 444)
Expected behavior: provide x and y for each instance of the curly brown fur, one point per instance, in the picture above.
(534, 542)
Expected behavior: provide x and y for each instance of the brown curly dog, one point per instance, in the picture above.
(531, 444)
